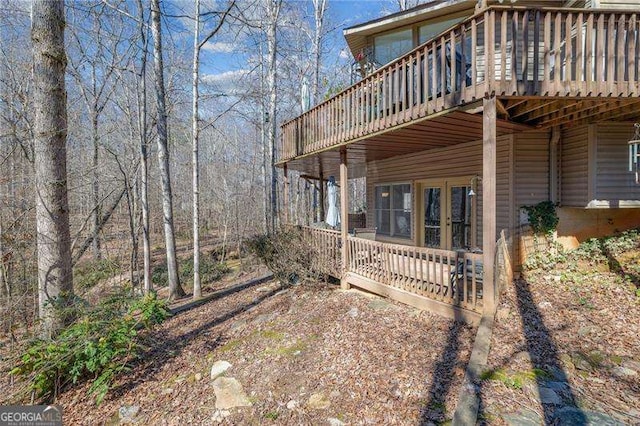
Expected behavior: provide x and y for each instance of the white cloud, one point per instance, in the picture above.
(224, 77)
(219, 47)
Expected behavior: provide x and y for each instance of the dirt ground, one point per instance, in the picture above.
(303, 356)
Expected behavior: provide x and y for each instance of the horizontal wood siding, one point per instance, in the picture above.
(619, 4)
(531, 167)
(574, 165)
(455, 161)
(613, 181)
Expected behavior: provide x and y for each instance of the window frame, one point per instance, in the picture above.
(393, 233)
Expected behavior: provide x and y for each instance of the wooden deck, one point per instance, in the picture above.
(547, 67)
(447, 282)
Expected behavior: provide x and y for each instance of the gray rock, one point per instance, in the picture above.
(335, 422)
(220, 415)
(219, 368)
(197, 377)
(549, 396)
(292, 405)
(571, 416)
(263, 318)
(622, 372)
(523, 417)
(353, 312)
(128, 413)
(238, 325)
(318, 401)
(229, 393)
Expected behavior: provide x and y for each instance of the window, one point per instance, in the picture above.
(388, 47)
(393, 209)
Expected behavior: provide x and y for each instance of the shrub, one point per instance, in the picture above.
(543, 218)
(100, 344)
(286, 254)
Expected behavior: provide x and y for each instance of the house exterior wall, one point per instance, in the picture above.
(574, 166)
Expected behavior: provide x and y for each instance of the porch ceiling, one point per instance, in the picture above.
(546, 112)
(440, 131)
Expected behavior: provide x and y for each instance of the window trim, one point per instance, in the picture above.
(377, 210)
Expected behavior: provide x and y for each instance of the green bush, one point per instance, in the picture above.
(543, 218)
(99, 345)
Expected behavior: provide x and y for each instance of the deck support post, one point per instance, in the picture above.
(321, 206)
(285, 195)
(489, 202)
(344, 217)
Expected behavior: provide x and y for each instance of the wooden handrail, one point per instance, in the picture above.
(509, 51)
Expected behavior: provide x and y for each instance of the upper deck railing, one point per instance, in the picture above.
(507, 51)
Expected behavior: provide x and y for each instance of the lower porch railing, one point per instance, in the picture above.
(451, 277)
(326, 245)
(447, 276)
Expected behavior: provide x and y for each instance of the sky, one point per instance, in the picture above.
(221, 61)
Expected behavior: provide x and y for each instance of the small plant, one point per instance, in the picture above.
(210, 270)
(543, 218)
(100, 345)
(272, 415)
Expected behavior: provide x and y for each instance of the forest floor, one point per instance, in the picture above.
(566, 345)
(302, 355)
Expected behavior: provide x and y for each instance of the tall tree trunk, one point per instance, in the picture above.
(272, 46)
(55, 279)
(197, 288)
(175, 290)
(144, 168)
(95, 184)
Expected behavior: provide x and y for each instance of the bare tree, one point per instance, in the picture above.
(195, 123)
(175, 289)
(144, 169)
(55, 279)
(273, 12)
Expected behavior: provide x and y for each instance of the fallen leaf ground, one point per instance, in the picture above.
(367, 360)
(576, 323)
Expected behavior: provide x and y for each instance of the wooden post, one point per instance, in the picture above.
(285, 195)
(344, 216)
(321, 209)
(553, 164)
(489, 202)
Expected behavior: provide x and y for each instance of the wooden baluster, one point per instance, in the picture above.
(490, 44)
(611, 58)
(463, 55)
(503, 53)
(474, 283)
(453, 65)
(474, 58)
(600, 65)
(557, 61)
(631, 54)
(525, 51)
(588, 73)
(424, 75)
(443, 73)
(536, 52)
(515, 31)
(546, 76)
(411, 87)
(622, 87)
(568, 45)
(579, 54)
(434, 78)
